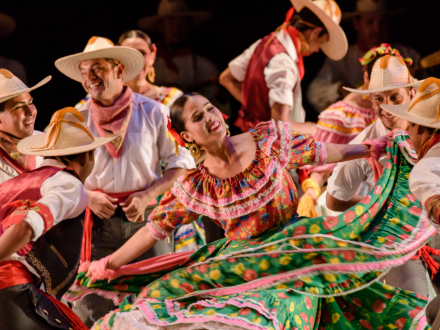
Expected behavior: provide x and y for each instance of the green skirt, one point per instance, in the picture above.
(317, 273)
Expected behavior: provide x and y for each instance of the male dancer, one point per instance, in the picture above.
(17, 119)
(266, 78)
(127, 178)
(37, 242)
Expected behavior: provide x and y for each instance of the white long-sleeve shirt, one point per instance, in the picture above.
(145, 146)
(66, 198)
(281, 75)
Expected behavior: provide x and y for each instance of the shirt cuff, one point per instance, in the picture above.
(36, 222)
(281, 96)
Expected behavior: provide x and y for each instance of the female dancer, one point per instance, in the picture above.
(273, 269)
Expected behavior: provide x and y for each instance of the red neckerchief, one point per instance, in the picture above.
(295, 36)
(9, 144)
(113, 120)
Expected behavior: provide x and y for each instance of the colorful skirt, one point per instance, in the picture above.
(317, 273)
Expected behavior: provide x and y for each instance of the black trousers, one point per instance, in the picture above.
(24, 307)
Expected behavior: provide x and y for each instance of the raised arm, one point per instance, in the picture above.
(234, 86)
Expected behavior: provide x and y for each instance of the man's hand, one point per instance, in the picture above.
(135, 205)
(101, 204)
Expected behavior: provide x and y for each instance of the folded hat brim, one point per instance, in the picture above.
(401, 111)
(384, 89)
(26, 90)
(132, 59)
(149, 23)
(27, 146)
(337, 45)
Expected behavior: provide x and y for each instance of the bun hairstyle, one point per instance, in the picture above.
(176, 111)
(135, 34)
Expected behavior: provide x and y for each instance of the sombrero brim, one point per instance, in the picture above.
(7, 25)
(384, 89)
(132, 59)
(350, 15)
(401, 111)
(26, 90)
(27, 146)
(337, 45)
(149, 23)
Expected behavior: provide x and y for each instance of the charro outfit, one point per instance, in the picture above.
(273, 270)
(56, 194)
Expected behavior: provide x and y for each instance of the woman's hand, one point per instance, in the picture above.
(91, 270)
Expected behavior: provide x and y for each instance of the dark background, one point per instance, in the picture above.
(47, 31)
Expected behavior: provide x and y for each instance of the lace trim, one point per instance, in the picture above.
(157, 232)
(272, 137)
(284, 155)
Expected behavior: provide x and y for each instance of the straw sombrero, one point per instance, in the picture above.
(388, 73)
(11, 86)
(329, 14)
(99, 47)
(424, 108)
(7, 25)
(366, 7)
(172, 8)
(67, 134)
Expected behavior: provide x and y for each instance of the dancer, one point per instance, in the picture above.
(424, 181)
(34, 228)
(271, 268)
(273, 67)
(127, 178)
(17, 120)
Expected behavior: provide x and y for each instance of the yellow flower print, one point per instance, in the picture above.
(287, 324)
(352, 235)
(285, 260)
(196, 278)
(309, 256)
(242, 234)
(336, 291)
(210, 312)
(314, 229)
(202, 258)
(314, 290)
(155, 294)
(214, 274)
(257, 320)
(297, 320)
(294, 242)
(306, 279)
(238, 268)
(381, 239)
(174, 283)
(270, 248)
(292, 307)
(404, 202)
(156, 306)
(330, 300)
(359, 210)
(330, 277)
(403, 302)
(334, 261)
(394, 221)
(128, 306)
(391, 326)
(335, 317)
(233, 314)
(317, 239)
(281, 286)
(264, 264)
(342, 244)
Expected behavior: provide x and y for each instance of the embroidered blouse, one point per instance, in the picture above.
(246, 205)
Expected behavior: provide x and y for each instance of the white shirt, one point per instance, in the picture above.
(281, 75)
(348, 177)
(8, 172)
(66, 198)
(145, 146)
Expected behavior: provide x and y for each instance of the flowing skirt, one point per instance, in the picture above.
(317, 273)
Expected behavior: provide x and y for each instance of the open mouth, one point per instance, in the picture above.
(30, 122)
(214, 126)
(387, 116)
(94, 85)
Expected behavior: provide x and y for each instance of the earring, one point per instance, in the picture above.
(151, 75)
(195, 150)
(228, 133)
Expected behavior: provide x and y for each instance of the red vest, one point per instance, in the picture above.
(255, 93)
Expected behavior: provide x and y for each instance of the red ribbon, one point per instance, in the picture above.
(174, 133)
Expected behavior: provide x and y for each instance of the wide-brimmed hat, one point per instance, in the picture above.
(7, 25)
(365, 7)
(172, 8)
(424, 108)
(389, 72)
(329, 14)
(99, 47)
(67, 134)
(11, 86)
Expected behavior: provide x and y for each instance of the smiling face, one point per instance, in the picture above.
(102, 79)
(142, 46)
(204, 123)
(395, 97)
(18, 116)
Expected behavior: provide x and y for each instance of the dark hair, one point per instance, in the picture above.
(2, 106)
(68, 159)
(176, 111)
(307, 16)
(135, 34)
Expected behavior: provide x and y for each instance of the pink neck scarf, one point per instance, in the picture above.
(113, 120)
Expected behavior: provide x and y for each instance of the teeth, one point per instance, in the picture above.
(94, 85)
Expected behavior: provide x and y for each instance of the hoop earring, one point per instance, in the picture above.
(151, 75)
(195, 150)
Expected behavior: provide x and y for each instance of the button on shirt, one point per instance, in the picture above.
(348, 177)
(145, 146)
(281, 75)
